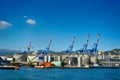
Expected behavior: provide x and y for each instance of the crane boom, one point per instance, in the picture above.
(73, 42)
(49, 44)
(84, 48)
(70, 48)
(29, 46)
(94, 50)
(87, 40)
(98, 38)
(47, 48)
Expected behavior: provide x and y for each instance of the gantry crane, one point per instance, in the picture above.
(29, 47)
(84, 47)
(70, 48)
(46, 51)
(94, 49)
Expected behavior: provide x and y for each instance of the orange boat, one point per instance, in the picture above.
(45, 65)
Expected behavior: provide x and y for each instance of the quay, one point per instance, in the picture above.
(83, 58)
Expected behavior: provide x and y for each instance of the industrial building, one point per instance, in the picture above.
(82, 58)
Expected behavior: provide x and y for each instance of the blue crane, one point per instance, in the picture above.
(69, 49)
(46, 51)
(84, 47)
(29, 47)
(94, 49)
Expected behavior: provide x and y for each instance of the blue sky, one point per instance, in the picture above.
(22, 21)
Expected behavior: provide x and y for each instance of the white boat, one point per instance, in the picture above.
(10, 67)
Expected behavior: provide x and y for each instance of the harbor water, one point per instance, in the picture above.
(60, 74)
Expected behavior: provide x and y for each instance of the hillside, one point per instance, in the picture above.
(4, 52)
(114, 51)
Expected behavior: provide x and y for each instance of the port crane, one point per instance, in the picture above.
(70, 48)
(29, 46)
(94, 49)
(84, 47)
(46, 51)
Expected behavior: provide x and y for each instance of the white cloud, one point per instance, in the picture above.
(24, 16)
(4, 24)
(31, 21)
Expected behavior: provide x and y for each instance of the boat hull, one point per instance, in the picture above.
(9, 67)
